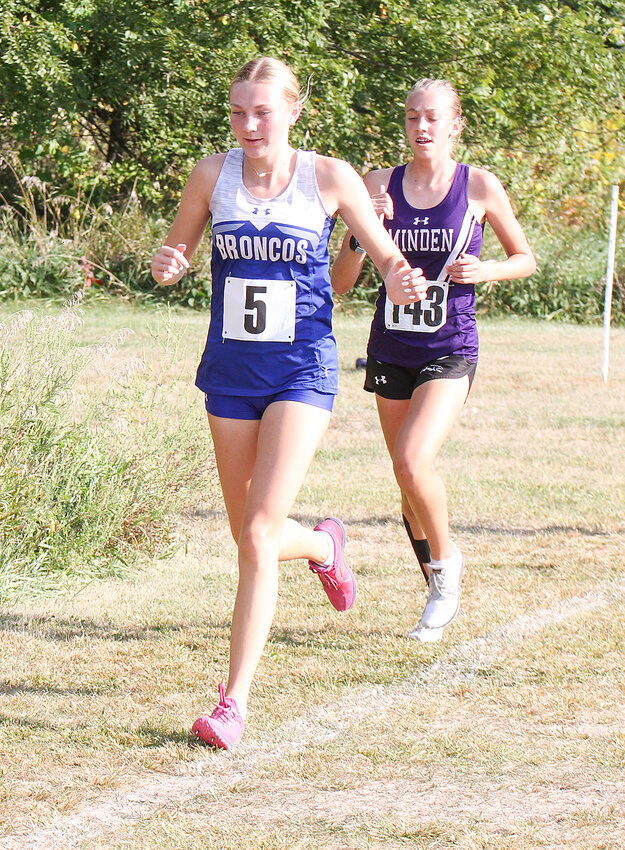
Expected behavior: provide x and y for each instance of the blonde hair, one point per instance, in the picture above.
(446, 89)
(266, 69)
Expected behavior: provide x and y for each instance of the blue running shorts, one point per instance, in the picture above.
(253, 407)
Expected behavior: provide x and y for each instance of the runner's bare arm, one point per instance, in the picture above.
(172, 259)
(343, 191)
(487, 193)
(348, 263)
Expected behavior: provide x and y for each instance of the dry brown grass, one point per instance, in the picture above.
(508, 734)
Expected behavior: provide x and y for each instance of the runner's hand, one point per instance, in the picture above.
(383, 205)
(466, 269)
(405, 285)
(169, 264)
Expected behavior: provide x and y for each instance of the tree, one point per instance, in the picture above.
(127, 94)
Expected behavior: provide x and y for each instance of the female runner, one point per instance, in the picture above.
(422, 357)
(269, 369)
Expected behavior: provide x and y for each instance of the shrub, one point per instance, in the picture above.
(53, 245)
(90, 480)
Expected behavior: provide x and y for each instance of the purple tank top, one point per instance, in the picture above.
(443, 323)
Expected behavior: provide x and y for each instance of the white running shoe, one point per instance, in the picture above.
(424, 635)
(444, 596)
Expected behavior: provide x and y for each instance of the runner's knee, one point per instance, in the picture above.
(259, 540)
(412, 473)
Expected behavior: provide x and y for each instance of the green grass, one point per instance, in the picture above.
(356, 739)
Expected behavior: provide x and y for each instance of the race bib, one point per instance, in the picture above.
(259, 310)
(425, 316)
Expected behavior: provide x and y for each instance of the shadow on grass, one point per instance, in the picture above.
(23, 722)
(395, 519)
(11, 690)
(483, 529)
(502, 531)
(151, 736)
(58, 629)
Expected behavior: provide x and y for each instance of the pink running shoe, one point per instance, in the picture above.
(224, 728)
(337, 579)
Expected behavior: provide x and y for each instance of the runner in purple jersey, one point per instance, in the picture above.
(422, 356)
(269, 366)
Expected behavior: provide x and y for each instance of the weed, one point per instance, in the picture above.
(53, 245)
(89, 478)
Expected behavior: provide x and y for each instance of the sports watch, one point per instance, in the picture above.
(355, 246)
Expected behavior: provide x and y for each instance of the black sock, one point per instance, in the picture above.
(421, 549)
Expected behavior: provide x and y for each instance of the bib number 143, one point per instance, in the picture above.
(425, 316)
(259, 310)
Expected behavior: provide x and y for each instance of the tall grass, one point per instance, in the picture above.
(569, 283)
(53, 245)
(95, 457)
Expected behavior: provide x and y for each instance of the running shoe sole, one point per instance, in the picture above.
(208, 736)
(424, 635)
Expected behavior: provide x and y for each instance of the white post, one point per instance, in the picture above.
(609, 280)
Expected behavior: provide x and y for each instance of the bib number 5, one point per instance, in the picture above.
(425, 316)
(259, 310)
(255, 315)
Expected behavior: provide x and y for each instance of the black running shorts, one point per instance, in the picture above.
(399, 382)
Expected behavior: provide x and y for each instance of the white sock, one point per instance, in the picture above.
(440, 565)
(330, 559)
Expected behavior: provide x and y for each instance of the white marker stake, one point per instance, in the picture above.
(609, 279)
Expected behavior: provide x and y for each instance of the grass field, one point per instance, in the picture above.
(510, 733)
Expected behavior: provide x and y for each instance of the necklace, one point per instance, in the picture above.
(263, 173)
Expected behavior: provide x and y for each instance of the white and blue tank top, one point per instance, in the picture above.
(430, 239)
(271, 306)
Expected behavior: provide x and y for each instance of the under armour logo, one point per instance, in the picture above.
(256, 211)
(419, 221)
(380, 379)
